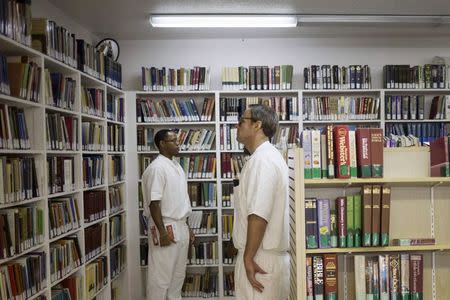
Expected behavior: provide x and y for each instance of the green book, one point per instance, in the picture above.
(357, 219)
(350, 222)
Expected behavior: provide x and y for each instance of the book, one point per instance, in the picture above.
(385, 214)
(330, 264)
(376, 214)
(413, 242)
(366, 215)
(342, 151)
(416, 276)
(376, 151)
(323, 222)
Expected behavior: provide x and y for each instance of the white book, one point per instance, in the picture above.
(360, 277)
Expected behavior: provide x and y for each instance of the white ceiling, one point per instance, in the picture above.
(129, 19)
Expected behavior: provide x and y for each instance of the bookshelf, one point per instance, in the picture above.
(400, 183)
(423, 199)
(55, 135)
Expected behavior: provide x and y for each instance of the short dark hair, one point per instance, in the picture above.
(268, 118)
(161, 135)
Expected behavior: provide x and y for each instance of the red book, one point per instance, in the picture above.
(342, 151)
(363, 152)
(330, 264)
(439, 151)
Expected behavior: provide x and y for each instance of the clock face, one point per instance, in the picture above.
(109, 47)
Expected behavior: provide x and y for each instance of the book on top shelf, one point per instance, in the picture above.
(257, 78)
(334, 77)
(196, 78)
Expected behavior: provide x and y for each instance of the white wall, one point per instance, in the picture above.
(44, 9)
(300, 52)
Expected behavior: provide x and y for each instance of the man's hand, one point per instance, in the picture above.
(165, 240)
(252, 268)
(191, 236)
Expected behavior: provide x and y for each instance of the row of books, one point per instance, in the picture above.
(65, 256)
(70, 288)
(60, 90)
(412, 107)
(116, 194)
(61, 174)
(93, 170)
(115, 137)
(94, 205)
(169, 79)
(116, 229)
(21, 228)
(228, 135)
(341, 152)
(340, 108)
(115, 109)
(204, 285)
(18, 179)
(203, 222)
(4, 81)
(92, 102)
(327, 77)
(395, 141)
(257, 78)
(425, 132)
(175, 110)
(116, 168)
(13, 128)
(439, 157)
(232, 164)
(227, 194)
(195, 139)
(96, 243)
(96, 276)
(232, 108)
(359, 220)
(15, 20)
(57, 42)
(63, 216)
(21, 77)
(53, 40)
(92, 136)
(429, 76)
(228, 253)
(117, 260)
(61, 132)
(387, 276)
(228, 284)
(24, 277)
(203, 194)
(227, 226)
(203, 253)
(286, 137)
(198, 166)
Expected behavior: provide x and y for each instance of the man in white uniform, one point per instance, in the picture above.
(166, 205)
(260, 231)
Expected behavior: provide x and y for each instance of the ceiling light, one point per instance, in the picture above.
(371, 19)
(237, 21)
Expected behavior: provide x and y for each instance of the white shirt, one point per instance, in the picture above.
(164, 180)
(263, 191)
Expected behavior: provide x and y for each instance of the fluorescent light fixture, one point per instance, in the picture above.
(371, 19)
(221, 21)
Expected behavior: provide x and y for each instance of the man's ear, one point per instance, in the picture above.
(258, 124)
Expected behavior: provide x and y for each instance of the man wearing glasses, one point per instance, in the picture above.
(260, 231)
(166, 205)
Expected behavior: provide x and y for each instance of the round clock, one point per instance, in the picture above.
(109, 47)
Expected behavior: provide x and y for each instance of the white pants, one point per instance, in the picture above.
(275, 282)
(167, 266)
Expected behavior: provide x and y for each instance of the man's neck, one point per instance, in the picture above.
(166, 155)
(253, 145)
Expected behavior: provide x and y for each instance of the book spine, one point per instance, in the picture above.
(385, 211)
(323, 219)
(357, 209)
(311, 223)
(376, 151)
(318, 276)
(350, 222)
(416, 276)
(376, 213)
(367, 215)
(330, 263)
(341, 221)
(342, 151)
(363, 152)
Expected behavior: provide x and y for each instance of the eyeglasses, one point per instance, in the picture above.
(171, 141)
(241, 119)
